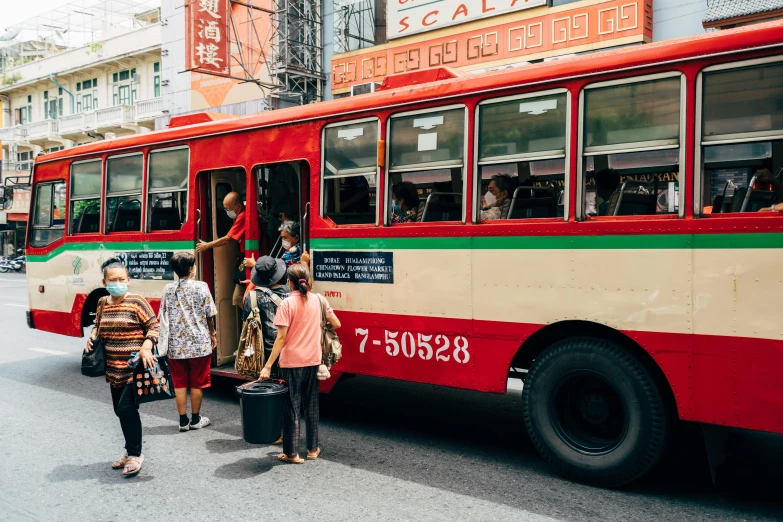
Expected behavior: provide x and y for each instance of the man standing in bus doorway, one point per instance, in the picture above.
(235, 209)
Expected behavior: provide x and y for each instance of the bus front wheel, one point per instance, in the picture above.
(595, 412)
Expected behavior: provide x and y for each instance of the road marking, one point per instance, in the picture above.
(11, 304)
(50, 352)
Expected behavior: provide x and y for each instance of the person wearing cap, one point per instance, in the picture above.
(269, 277)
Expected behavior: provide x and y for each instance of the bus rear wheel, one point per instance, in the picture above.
(595, 412)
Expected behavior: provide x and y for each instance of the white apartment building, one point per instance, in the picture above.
(86, 71)
(73, 95)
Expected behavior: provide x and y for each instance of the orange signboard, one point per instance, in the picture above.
(559, 31)
(207, 46)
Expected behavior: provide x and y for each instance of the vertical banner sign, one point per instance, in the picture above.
(208, 45)
(404, 17)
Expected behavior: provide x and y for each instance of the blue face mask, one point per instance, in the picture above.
(117, 289)
(396, 208)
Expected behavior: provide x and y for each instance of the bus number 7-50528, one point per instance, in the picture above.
(425, 346)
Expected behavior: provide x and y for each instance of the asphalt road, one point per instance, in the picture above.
(391, 451)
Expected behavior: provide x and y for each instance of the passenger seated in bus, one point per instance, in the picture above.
(405, 202)
(235, 209)
(606, 182)
(497, 200)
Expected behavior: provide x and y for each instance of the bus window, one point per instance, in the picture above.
(521, 157)
(350, 172)
(631, 154)
(426, 155)
(742, 139)
(168, 189)
(49, 214)
(86, 179)
(123, 193)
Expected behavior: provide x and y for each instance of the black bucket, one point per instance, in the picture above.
(262, 407)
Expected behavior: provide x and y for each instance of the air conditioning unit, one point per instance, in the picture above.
(363, 88)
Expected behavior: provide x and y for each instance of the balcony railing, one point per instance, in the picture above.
(72, 124)
(149, 109)
(41, 130)
(115, 116)
(16, 133)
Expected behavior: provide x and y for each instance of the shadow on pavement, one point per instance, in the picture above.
(100, 471)
(248, 467)
(223, 446)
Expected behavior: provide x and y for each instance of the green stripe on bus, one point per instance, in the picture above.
(113, 247)
(618, 242)
(252, 244)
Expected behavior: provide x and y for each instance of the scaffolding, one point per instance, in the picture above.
(297, 50)
(77, 24)
(354, 25)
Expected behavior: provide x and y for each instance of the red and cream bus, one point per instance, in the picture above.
(624, 303)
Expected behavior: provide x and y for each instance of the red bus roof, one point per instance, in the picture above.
(720, 42)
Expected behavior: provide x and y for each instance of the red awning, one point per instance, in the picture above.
(12, 216)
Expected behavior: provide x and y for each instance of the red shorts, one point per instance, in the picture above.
(191, 373)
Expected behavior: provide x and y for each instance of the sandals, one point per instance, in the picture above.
(315, 455)
(279, 441)
(288, 460)
(119, 464)
(133, 466)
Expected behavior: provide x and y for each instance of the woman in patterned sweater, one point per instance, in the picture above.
(127, 325)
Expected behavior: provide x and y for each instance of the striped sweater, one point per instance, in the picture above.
(123, 328)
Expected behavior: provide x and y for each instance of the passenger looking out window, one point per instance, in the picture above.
(405, 202)
(427, 150)
(497, 200)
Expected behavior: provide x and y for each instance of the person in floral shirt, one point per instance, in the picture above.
(405, 202)
(188, 309)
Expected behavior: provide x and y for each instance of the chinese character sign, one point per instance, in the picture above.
(208, 42)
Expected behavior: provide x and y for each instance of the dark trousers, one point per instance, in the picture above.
(127, 410)
(302, 405)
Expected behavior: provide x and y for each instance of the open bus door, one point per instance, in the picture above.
(217, 266)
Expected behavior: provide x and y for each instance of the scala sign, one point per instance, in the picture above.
(406, 17)
(208, 47)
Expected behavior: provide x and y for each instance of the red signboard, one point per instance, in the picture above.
(207, 49)
(559, 31)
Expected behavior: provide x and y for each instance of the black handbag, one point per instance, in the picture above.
(94, 361)
(154, 383)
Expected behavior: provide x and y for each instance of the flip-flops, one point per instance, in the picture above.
(288, 460)
(134, 463)
(315, 455)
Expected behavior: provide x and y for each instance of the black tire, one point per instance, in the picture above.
(595, 412)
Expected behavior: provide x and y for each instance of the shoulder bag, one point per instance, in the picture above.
(153, 384)
(250, 356)
(94, 361)
(332, 348)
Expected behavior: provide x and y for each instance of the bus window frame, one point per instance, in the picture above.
(69, 229)
(580, 214)
(142, 194)
(34, 210)
(148, 191)
(476, 216)
(726, 139)
(322, 188)
(387, 218)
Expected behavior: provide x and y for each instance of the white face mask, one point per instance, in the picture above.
(490, 199)
(231, 214)
(286, 244)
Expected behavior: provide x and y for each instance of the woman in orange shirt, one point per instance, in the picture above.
(298, 345)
